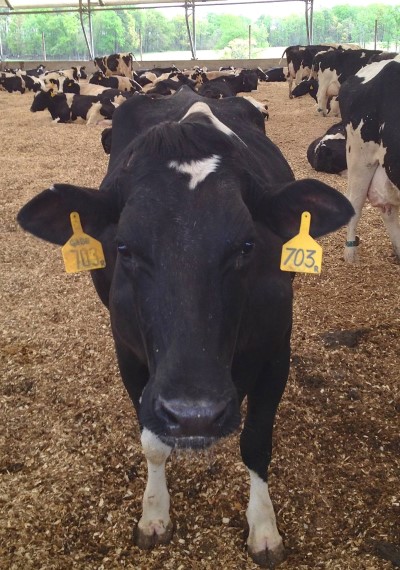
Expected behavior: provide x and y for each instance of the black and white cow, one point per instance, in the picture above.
(371, 115)
(115, 64)
(115, 82)
(37, 71)
(276, 74)
(170, 85)
(216, 89)
(68, 107)
(76, 72)
(192, 215)
(383, 55)
(310, 86)
(299, 62)
(244, 81)
(32, 83)
(307, 86)
(11, 82)
(328, 153)
(332, 68)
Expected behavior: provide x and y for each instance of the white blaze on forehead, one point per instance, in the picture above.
(201, 107)
(197, 170)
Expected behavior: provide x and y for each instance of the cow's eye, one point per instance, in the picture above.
(247, 247)
(123, 249)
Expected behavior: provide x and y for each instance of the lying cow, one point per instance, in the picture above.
(37, 71)
(276, 74)
(115, 82)
(370, 113)
(11, 82)
(192, 215)
(328, 153)
(170, 85)
(243, 82)
(68, 107)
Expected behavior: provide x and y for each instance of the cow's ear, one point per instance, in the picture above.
(282, 211)
(47, 216)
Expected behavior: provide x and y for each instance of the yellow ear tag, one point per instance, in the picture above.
(82, 252)
(302, 253)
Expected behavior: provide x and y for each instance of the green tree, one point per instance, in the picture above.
(261, 31)
(178, 35)
(238, 49)
(108, 33)
(227, 27)
(154, 31)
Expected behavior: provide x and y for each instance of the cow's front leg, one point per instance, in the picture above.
(264, 542)
(155, 526)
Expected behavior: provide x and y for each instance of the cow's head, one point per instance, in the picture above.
(306, 86)
(186, 224)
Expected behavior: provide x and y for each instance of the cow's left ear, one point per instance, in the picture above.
(282, 211)
(47, 216)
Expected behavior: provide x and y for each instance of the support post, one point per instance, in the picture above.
(309, 10)
(88, 40)
(190, 11)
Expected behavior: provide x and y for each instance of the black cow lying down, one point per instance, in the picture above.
(328, 153)
(192, 215)
(68, 107)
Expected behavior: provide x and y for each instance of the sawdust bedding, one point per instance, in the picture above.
(71, 470)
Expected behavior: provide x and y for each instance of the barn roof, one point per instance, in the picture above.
(86, 7)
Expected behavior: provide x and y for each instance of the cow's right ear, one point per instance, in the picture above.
(47, 216)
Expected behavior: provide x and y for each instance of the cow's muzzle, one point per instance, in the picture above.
(193, 424)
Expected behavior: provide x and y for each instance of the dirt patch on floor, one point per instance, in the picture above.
(71, 469)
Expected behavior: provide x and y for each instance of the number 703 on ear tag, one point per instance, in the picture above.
(82, 252)
(302, 253)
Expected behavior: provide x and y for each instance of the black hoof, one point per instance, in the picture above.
(269, 558)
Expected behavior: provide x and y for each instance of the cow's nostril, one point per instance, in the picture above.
(188, 418)
(166, 413)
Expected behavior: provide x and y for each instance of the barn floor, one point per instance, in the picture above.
(71, 470)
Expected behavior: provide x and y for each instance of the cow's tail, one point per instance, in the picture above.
(282, 56)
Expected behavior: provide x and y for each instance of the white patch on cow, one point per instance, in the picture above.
(365, 161)
(69, 97)
(263, 532)
(197, 170)
(328, 86)
(382, 193)
(156, 502)
(333, 137)
(260, 106)
(201, 107)
(322, 142)
(371, 70)
(335, 109)
(93, 116)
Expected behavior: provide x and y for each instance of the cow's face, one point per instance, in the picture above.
(176, 219)
(185, 245)
(41, 101)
